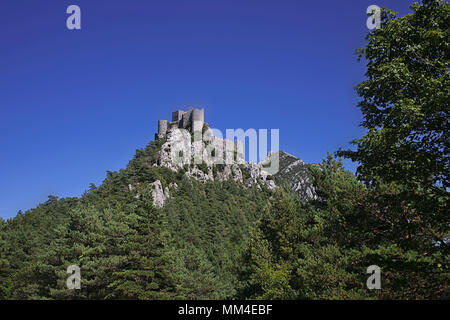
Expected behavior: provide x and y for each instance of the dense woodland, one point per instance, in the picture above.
(222, 240)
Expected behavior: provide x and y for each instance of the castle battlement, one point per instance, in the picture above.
(192, 118)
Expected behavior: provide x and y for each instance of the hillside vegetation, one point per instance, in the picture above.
(313, 235)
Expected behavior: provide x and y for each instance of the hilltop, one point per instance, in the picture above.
(153, 216)
(170, 227)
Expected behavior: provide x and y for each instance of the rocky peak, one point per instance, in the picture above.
(210, 158)
(295, 173)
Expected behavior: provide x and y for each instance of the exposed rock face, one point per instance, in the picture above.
(159, 194)
(295, 173)
(199, 174)
(210, 158)
(207, 158)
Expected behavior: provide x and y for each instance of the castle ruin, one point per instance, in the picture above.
(192, 119)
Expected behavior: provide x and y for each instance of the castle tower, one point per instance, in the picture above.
(162, 128)
(198, 119)
(182, 119)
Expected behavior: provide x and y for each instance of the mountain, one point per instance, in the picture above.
(176, 137)
(170, 227)
(157, 229)
(147, 232)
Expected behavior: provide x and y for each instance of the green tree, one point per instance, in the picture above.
(405, 108)
(144, 272)
(302, 251)
(404, 157)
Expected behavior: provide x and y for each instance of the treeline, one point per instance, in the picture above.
(221, 241)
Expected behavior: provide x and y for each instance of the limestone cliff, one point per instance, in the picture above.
(205, 157)
(210, 158)
(295, 173)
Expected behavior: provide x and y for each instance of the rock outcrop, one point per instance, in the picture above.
(205, 157)
(295, 173)
(160, 194)
(210, 158)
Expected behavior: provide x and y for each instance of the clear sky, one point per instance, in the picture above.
(76, 103)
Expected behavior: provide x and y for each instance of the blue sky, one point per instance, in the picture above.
(76, 103)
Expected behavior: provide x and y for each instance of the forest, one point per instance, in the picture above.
(226, 240)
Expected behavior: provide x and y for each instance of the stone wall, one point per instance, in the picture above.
(177, 115)
(186, 119)
(181, 119)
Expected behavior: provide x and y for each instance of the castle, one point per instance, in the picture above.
(192, 118)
